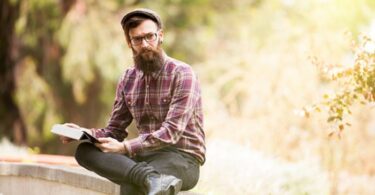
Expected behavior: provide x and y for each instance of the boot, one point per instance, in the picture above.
(160, 184)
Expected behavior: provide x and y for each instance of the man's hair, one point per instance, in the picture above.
(136, 17)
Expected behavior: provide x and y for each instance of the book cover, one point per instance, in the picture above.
(73, 133)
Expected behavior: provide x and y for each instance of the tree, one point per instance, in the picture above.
(11, 122)
(18, 20)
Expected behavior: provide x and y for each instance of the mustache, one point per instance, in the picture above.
(143, 52)
(147, 49)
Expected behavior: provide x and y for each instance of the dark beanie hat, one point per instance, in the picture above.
(145, 13)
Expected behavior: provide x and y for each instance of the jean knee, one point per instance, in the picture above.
(81, 153)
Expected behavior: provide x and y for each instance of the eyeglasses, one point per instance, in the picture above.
(149, 37)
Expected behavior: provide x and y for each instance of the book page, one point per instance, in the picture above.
(67, 131)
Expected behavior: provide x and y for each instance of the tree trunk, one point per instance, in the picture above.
(11, 122)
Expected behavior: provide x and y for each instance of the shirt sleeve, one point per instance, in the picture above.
(120, 117)
(184, 99)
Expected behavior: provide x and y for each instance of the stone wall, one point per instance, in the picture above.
(31, 178)
(18, 178)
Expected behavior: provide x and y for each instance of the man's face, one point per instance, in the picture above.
(145, 42)
(145, 36)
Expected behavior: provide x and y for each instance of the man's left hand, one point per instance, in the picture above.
(110, 145)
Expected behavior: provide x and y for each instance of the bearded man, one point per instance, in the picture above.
(163, 96)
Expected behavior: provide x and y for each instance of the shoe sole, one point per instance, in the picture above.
(174, 187)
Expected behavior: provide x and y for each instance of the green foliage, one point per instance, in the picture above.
(94, 48)
(35, 22)
(39, 108)
(356, 85)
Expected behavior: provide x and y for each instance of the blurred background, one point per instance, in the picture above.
(60, 61)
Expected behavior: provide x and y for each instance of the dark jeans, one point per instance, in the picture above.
(130, 173)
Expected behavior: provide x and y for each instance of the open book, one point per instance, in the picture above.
(73, 133)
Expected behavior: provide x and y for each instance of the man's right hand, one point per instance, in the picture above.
(66, 140)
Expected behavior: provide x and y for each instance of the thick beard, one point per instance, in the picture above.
(149, 60)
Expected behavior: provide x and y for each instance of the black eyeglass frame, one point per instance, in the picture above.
(149, 38)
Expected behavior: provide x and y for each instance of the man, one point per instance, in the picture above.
(163, 96)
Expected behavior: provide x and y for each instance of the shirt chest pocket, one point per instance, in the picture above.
(162, 107)
(131, 103)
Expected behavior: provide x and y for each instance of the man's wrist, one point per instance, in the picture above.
(125, 150)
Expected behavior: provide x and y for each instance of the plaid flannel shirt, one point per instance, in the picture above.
(166, 107)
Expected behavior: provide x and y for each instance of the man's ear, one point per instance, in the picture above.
(127, 42)
(161, 36)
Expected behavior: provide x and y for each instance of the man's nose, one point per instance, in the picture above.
(144, 43)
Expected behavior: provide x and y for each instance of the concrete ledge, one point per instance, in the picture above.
(40, 158)
(24, 178)
(32, 178)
